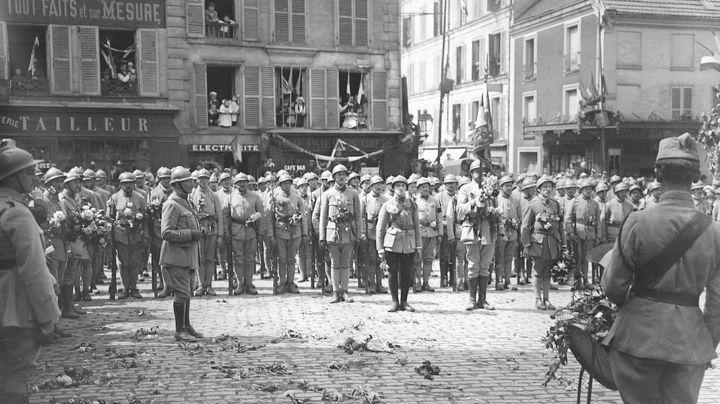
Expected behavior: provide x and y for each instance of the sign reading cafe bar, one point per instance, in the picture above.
(103, 13)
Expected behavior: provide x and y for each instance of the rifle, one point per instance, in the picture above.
(364, 269)
(154, 268)
(112, 289)
(229, 250)
(313, 248)
(273, 247)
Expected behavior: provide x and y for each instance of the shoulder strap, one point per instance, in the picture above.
(650, 272)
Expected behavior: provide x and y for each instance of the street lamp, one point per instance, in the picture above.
(425, 121)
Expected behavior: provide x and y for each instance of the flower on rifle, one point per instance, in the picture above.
(253, 219)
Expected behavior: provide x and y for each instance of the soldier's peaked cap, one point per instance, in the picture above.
(681, 147)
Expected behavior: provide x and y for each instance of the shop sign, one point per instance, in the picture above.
(87, 124)
(222, 148)
(294, 167)
(103, 13)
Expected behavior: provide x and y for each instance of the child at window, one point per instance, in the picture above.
(211, 14)
(300, 111)
(123, 75)
(225, 26)
(225, 120)
(234, 109)
(132, 71)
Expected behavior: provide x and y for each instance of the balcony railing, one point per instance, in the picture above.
(221, 30)
(116, 87)
(572, 62)
(529, 71)
(28, 86)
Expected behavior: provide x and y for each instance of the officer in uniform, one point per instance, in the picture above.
(479, 236)
(269, 248)
(524, 263)
(224, 190)
(180, 250)
(158, 196)
(661, 343)
(447, 249)
(79, 261)
(540, 235)
(127, 208)
(370, 205)
(431, 232)
(616, 210)
(207, 205)
(101, 181)
(398, 241)
(245, 214)
(213, 182)
(454, 230)
(140, 183)
(322, 264)
(305, 252)
(340, 230)
(507, 239)
(98, 258)
(389, 190)
(288, 227)
(28, 308)
(698, 196)
(581, 226)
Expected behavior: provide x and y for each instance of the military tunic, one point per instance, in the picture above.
(289, 224)
(207, 205)
(581, 222)
(180, 251)
(615, 213)
(370, 206)
(340, 227)
(157, 198)
(58, 259)
(480, 236)
(507, 239)
(431, 218)
(130, 230)
(237, 209)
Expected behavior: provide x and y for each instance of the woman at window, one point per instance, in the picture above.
(123, 75)
(300, 111)
(234, 109)
(225, 119)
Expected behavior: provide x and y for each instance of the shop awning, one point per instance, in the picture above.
(429, 155)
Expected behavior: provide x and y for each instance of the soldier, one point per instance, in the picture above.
(140, 183)
(431, 232)
(262, 185)
(614, 180)
(581, 226)
(616, 210)
(28, 308)
(569, 199)
(158, 196)
(509, 229)
(560, 191)
(224, 190)
(207, 206)
(398, 241)
(540, 235)
(370, 205)
(446, 199)
(321, 256)
(98, 256)
(180, 250)
(636, 197)
(454, 230)
(479, 235)
(523, 263)
(412, 185)
(270, 252)
(354, 181)
(130, 231)
(243, 211)
(653, 194)
(288, 227)
(661, 342)
(252, 184)
(101, 181)
(213, 182)
(305, 251)
(389, 187)
(698, 196)
(435, 184)
(340, 230)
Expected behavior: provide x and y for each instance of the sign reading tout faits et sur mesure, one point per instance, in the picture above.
(83, 124)
(103, 13)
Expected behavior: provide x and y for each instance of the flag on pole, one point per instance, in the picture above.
(32, 67)
(347, 89)
(109, 58)
(286, 87)
(361, 91)
(298, 85)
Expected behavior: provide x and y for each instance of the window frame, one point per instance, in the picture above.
(565, 112)
(569, 67)
(525, 118)
(291, 14)
(354, 19)
(526, 39)
(683, 109)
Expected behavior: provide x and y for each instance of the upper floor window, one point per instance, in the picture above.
(118, 65)
(681, 100)
(570, 103)
(223, 19)
(437, 18)
(220, 19)
(478, 59)
(290, 21)
(529, 109)
(27, 60)
(529, 63)
(572, 48)
(353, 22)
(459, 65)
(495, 51)
(493, 5)
(353, 101)
(291, 85)
(223, 101)
(682, 51)
(407, 31)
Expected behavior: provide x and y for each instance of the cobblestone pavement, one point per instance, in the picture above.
(285, 349)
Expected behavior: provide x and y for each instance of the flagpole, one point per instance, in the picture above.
(599, 73)
(443, 72)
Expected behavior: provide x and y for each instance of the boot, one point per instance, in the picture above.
(181, 333)
(338, 297)
(394, 307)
(538, 301)
(473, 287)
(482, 302)
(380, 289)
(209, 291)
(189, 328)
(406, 307)
(426, 287)
(60, 333)
(250, 290)
(292, 288)
(346, 297)
(461, 286)
(238, 291)
(66, 305)
(164, 293)
(200, 291)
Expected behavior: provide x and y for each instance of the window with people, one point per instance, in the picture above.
(291, 86)
(353, 100)
(27, 60)
(220, 19)
(118, 75)
(223, 100)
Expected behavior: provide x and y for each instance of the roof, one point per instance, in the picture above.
(529, 9)
(701, 9)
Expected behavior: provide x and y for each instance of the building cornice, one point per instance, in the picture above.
(567, 13)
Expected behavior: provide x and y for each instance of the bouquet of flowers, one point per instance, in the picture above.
(591, 221)
(253, 219)
(200, 212)
(154, 209)
(342, 215)
(563, 268)
(288, 222)
(488, 190)
(547, 219)
(128, 218)
(589, 310)
(90, 225)
(512, 224)
(58, 225)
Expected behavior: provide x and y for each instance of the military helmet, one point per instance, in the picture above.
(338, 169)
(653, 186)
(635, 187)
(389, 180)
(285, 178)
(434, 181)
(281, 172)
(585, 183)
(326, 175)
(163, 172)
(194, 175)
(570, 183)
(398, 179)
(261, 180)
(224, 176)
(423, 181)
(126, 177)
(52, 174)
(697, 185)
(214, 177)
(270, 178)
(203, 173)
(310, 176)
(527, 183)
(89, 174)
(353, 175)
(72, 175)
(14, 159)
(101, 174)
(139, 174)
(505, 179)
(476, 165)
(544, 179)
(602, 186)
(302, 181)
(180, 174)
(376, 179)
(560, 184)
(365, 178)
(240, 177)
(252, 180)
(620, 186)
(450, 178)
(614, 179)
(413, 179)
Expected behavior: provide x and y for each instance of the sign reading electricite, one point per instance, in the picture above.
(104, 13)
(199, 148)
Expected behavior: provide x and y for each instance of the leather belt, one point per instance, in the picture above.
(238, 221)
(404, 228)
(7, 264)
(681, 299)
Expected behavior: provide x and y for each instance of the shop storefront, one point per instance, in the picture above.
(89, 137)
(242, 154)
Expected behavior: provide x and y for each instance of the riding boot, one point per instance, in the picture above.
(66, 297)
(189, 328)
(181, 333)
(472, 287)
(482, 302)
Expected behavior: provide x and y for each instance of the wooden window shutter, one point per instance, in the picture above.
(503, 52)
(361, 23)
(317, 98)
(195, 19)
(252, 97)
(201, 95)
(88, 39)
(59, 59)
(345, 23)
(267, 74)
(331, 98)
(483, 58)
(148, 63)
(251, 14)
(298, 21)
(282, 21)
(379, 100)
(3, 51)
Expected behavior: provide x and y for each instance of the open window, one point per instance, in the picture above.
(220, 19)
(27, 59)
(353, 100)
(118, 67)
(494, 55)
(223, 102)
(291, 86)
